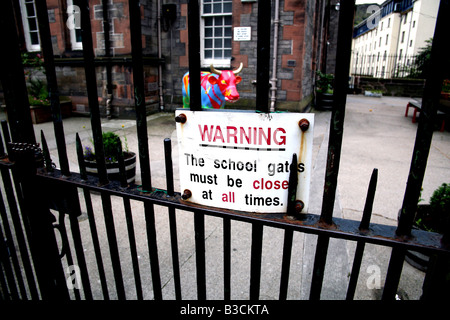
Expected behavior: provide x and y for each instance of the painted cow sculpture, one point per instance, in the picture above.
(217, 88)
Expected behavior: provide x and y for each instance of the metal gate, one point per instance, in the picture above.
(40, 197)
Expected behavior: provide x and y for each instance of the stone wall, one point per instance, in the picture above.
(391, 87)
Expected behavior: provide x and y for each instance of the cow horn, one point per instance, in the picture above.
(214, 70)
(238, 70)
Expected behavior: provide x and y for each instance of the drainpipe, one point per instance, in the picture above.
(273, 80)
(160, 82)
(108, 56)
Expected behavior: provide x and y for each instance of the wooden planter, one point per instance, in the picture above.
(324, 101)
(112, 168)
(41, 114)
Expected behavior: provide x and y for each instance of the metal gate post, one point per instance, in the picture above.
(36, 214)
(12, 78)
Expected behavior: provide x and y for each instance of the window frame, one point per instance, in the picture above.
(26, 27)
(218, 63)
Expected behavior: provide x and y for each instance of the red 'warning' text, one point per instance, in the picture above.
(241, 135)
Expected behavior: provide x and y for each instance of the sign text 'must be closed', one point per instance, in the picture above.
(241, 160)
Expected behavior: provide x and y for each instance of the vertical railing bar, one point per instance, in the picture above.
(106, 32)
(363, 227)
(129, 221)
(319, 267)
(46, 153)
(65, 246)
(153, 249)
(355, 270)
(5, 261)
(194, 55)
(113, 247)
(52, 84)
(139, 94)
(169, 166)
(199, 226)
(263, 55)
(286, 263)
(9, 236)
(91, 85)
(365, 221)
(96, 243)
(393, 273)
(2, 147)
(133, 248)
(255, 260)
(121, 162)
(6, 136)
(80, 157)
(3, 286)
(175, 258)
(172, 218)
(91, 219)
(292, 187)
(344, 41)
(74, 213)
(227, 258)
(430, 102)
(19, 232)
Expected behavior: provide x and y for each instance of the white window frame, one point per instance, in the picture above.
(26, 27)
(75, 45)
(206, 62)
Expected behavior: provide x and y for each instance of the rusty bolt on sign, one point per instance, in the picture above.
(303, 124)
(181, 118)
(186, 194)
(299, 205)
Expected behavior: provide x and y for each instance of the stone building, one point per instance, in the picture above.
(228, 38)
(386, 43)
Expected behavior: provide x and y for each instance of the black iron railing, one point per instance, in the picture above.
(33, 192)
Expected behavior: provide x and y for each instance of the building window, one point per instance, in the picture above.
(387, 39)
(216, 29)
(403, 36)
(30, 25)
(74, 25)
(410, 43)
(389, 22)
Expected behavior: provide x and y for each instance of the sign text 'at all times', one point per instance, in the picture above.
(242, 160)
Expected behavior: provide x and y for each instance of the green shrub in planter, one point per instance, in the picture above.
(438, 214)
(110, 144)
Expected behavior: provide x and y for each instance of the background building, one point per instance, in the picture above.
(386, 43)
(306, 42)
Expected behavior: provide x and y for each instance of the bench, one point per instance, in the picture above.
(418, 107)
